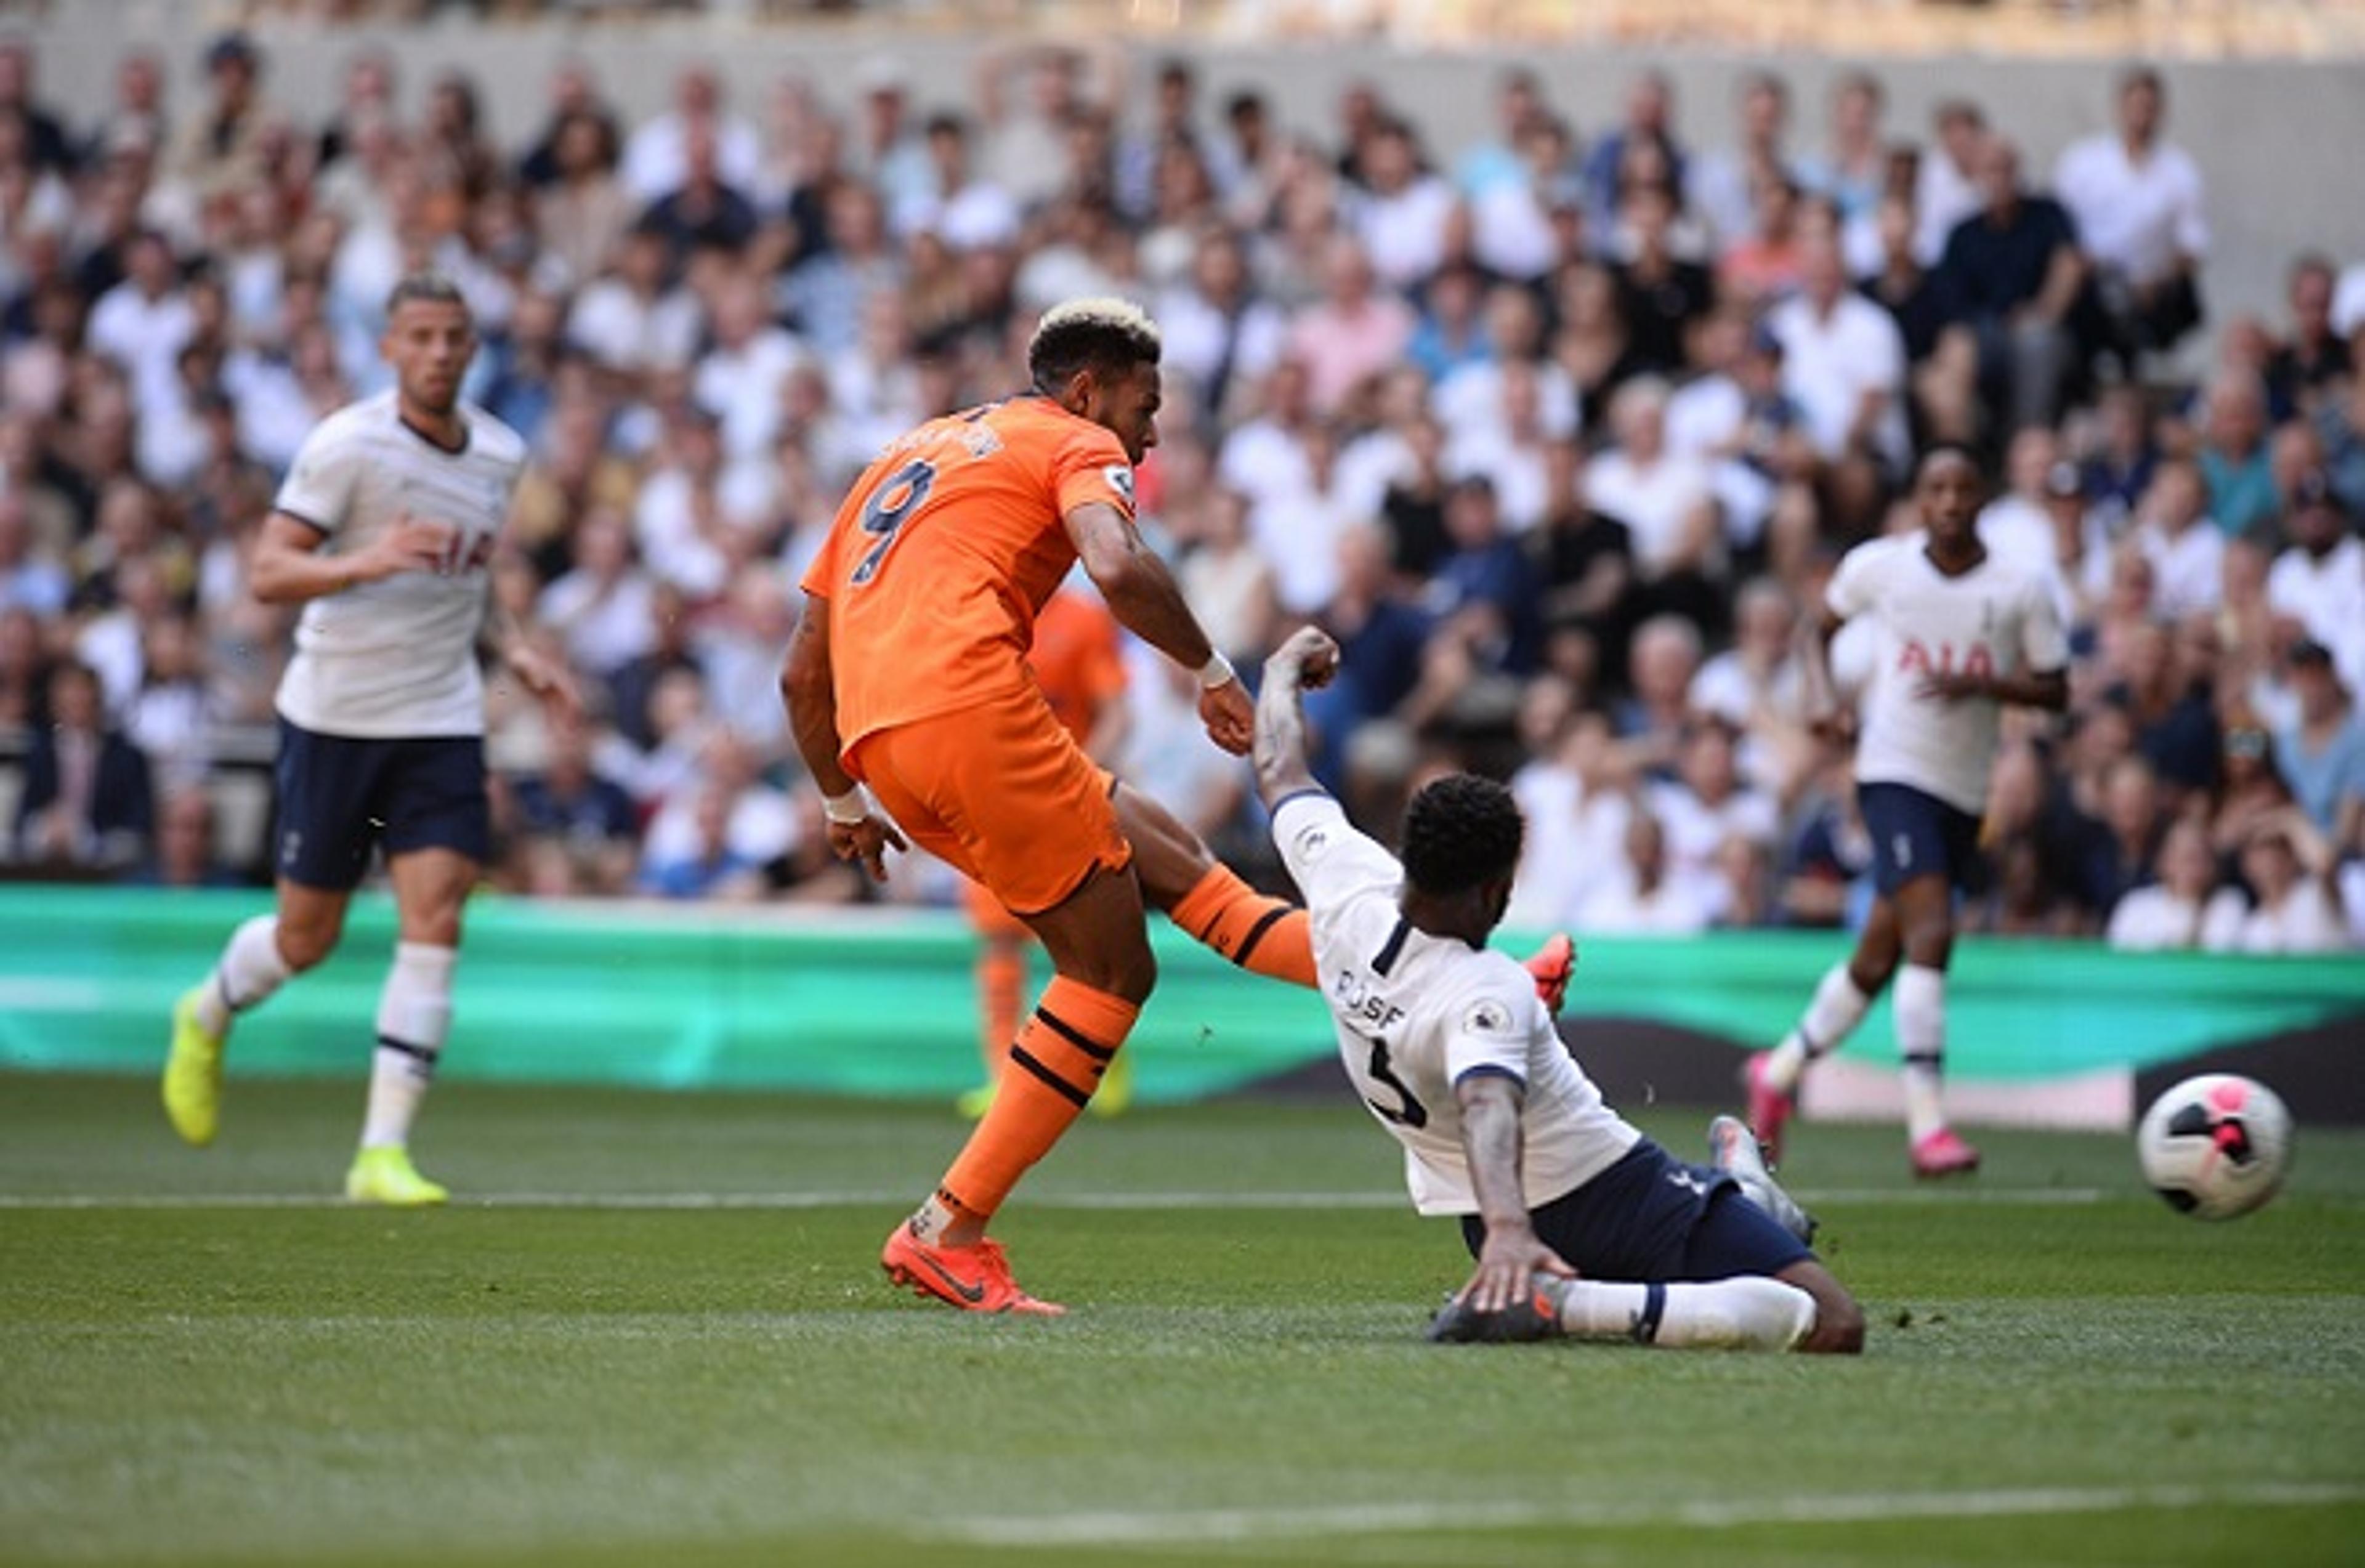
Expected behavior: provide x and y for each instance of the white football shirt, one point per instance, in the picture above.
(397, 658)
(1998, 616)
(1416, 1013)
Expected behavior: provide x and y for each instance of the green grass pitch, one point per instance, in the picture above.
(667, 1341)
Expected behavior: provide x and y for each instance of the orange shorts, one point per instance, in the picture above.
(986, 913)
(1000, 792)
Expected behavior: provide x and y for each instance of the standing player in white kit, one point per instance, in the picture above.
(1451, 1048)
(383, 531)
(1961, 635)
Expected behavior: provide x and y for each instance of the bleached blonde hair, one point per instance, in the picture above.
(1101, 332)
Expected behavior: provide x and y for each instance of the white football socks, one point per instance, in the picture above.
(414, 1019)
(1920, 1008)
(1838, 1007)
(250, 970)
(1747, 1313)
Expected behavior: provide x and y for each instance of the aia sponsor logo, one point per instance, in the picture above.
(1917, 657)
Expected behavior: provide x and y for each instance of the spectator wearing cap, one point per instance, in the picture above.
(2136, 201)
(2320, 579)
(2320, 752)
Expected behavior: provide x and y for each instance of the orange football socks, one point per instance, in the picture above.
(1269, 935)
(1054, 1066)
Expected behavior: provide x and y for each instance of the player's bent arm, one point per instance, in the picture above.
(289, 567)
(1814, 651)
(806, 686)
(1141, 593)
(1309, 657)
(2049, 689)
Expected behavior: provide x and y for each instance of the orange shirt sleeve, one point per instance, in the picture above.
(1090, 465)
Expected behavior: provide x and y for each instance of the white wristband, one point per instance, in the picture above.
(848, 809)
(1218, 671)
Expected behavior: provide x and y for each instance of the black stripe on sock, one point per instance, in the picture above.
(1019, 1056)
(420, 1054)
(1654, 1306)
(1931, 1060)
(1073, 1035)
(1815, 1047)
(221, 984)
(1393, 949)
(1256, 933)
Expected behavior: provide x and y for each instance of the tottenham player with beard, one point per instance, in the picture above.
(383, 531)
(1580, 1225)
(1961, 635)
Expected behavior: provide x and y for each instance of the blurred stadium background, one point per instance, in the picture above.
(1488, 350)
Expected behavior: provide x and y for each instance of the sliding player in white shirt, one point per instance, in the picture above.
(1962, 633)
(383, 531)
(1580, 1225)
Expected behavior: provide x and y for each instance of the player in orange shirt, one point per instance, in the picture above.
(1077, 661)
(907, 673)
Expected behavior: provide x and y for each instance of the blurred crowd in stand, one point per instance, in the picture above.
(1560, 433)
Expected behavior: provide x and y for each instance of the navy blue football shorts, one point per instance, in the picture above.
(341, 796)
(1653, 1219)
(1917, 834)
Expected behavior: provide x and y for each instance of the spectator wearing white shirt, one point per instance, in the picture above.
(2136, 202)
(605, 607)
(1297, 530)
(1512, 453)
(2187, 550)
(1216, 331)
(656, 158)
(1641, 899)
(1469, 398)
(143, 322)
(1576, 816)
(2168, 914)
(1705, 807)
(2292, 906)
(1264, 457)
(632, 323)
(1755, 685)
(965, 211)
(740, 378)
(2320, 579)
(1664, 499)
(1843, 359)
(1402, 215)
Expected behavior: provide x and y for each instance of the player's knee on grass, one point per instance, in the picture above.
(1839, 1321)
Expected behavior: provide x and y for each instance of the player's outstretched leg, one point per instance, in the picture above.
(1746, 1313)
(1267, 935)
(1732, 1148)
(262, 955)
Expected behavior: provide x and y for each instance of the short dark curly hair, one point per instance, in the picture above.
(1458, 831)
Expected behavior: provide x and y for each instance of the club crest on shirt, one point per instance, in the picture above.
(1120, 479)
(1312, 842)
